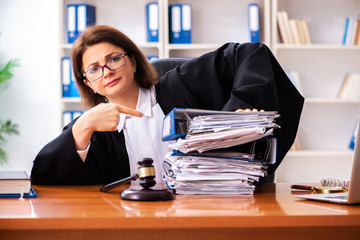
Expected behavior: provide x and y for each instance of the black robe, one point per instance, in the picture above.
(232, 77)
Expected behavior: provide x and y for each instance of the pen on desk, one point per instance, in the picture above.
(319, 189)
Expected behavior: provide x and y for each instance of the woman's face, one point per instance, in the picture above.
(114, 84)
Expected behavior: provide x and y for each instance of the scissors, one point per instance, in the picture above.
(319, 189)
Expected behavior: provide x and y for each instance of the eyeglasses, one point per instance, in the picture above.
(112, 64)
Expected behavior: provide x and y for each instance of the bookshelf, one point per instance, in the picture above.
(327, 122)
(208, 20)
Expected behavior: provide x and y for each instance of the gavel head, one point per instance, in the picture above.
(146, 172)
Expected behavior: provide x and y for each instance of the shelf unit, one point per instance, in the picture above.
(208, 20)
(327, 122)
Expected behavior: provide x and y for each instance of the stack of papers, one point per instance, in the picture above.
(222, 131)
(222, 153)
(208, 175)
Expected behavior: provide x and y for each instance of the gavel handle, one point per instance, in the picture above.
(117, 183)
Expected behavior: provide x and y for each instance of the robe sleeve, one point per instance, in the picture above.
(232, 77)
(58, 162)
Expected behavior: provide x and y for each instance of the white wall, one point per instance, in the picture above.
(29, 32)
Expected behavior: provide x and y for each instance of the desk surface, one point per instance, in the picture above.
(84, 212)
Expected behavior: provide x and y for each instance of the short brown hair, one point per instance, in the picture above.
(145, 74)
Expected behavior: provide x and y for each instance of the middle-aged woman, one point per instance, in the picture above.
(126, 103)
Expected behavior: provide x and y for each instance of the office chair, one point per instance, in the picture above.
(162, 65)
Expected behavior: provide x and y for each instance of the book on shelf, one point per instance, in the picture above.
(218, 152)
(15, 184)
(292, 30)
(351, 34)
(350, 87)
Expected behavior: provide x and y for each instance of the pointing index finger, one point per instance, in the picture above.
(130, 111)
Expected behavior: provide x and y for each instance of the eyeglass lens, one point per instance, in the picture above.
(112, 64)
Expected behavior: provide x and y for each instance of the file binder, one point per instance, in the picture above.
(180, 23)
(71, 22)
(262, 151)
(175, 123)
(79, 17)
(69, 88)
(152, 58)
(69, 116)
(186, 23)
(152, 22)
(254, 22)
(66, 76)
(175, 23)
(85, 17)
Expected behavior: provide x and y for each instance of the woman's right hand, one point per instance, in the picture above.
(101, 118)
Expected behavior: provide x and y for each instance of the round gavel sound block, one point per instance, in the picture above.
(147, 180)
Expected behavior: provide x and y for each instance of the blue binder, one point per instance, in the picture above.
(254, 22)
(71, 27)
(74, 91)
(186, 23)
(152, 57)
(152, 22)
(85, 17)
(180, 23)
(175, 123)
(69, 87)
(175, 23)
(68, 116)
(78, 18)
(66, 76)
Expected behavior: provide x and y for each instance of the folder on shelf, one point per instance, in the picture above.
(79, 17)
(175, 23)
(186, 23)
(66, 76)
(85, 17)
(254, 22)
(68, 116)
(180, 23)
(71, 22)
(152, 22)
(69, 87)
(152, 57)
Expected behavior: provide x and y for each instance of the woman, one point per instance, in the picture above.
(126, 104)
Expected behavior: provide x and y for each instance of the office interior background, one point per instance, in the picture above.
(32, 32)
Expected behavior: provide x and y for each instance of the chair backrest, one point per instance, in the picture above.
(162, 65)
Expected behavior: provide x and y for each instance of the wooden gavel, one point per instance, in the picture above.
(146, 175)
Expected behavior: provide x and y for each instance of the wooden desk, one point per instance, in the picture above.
(79, 212)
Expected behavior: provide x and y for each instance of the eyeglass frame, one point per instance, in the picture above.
(105, 66)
